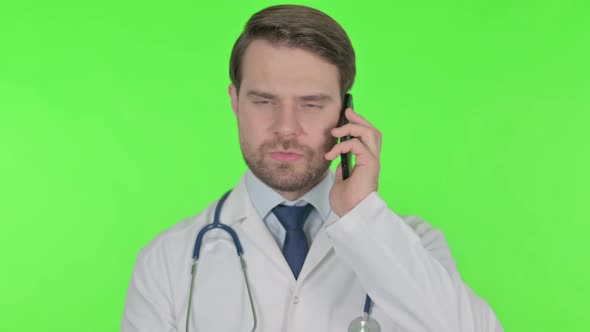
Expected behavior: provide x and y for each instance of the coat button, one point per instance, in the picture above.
(295, 299)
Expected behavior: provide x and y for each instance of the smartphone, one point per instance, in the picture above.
(345, 158)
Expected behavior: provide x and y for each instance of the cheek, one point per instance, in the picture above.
(320, 137)
(320, 127)
(324, 121)
(255, 118)
(253, 132)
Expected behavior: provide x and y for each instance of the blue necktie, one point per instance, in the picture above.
(295, 247)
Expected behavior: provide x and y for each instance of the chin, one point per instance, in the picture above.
(289, 177)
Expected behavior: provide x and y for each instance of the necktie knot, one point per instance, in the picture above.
(292, 217)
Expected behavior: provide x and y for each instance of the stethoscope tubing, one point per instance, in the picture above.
(240, 251)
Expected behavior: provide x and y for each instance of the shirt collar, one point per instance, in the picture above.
(264, 198)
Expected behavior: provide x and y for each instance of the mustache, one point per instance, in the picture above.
(289, 143)
(285, 144)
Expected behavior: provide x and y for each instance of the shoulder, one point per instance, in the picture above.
(179, 238)
(432, 239)
(376, 212)
(428, 234)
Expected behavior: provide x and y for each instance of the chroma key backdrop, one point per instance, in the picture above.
(115, 124)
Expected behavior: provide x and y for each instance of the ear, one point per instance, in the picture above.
(233, 94)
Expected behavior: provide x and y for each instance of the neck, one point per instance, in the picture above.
(292, 195)
(295, 195)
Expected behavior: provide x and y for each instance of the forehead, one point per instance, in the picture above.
(287, 70)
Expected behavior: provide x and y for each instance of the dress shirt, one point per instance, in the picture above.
(264, 199)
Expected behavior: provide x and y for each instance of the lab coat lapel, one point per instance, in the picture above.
(258, 237)
(321, 247)
(254, 236)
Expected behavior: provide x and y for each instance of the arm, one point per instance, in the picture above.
(146, 306)
(408, 270)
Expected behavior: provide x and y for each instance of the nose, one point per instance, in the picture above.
(287, 122)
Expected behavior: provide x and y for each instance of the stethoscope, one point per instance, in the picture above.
(364, 323)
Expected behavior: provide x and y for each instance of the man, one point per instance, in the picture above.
(290, 69)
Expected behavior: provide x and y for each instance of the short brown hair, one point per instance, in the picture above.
(300, 27)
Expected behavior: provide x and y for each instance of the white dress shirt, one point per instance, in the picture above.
(264, 199)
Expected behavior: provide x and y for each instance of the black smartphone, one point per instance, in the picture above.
(345, 158)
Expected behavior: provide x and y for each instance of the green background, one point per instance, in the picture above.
(115, 124)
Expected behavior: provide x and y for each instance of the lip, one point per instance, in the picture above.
(285, 156)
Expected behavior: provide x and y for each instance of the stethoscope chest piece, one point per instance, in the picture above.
(364, 324)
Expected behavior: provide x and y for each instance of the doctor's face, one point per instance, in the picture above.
(288, 102)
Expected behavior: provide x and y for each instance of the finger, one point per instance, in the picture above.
(371, 137)
(338, 174)
(354, 117)
(362, 155)
(353, 129)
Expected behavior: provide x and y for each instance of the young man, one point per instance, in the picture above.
(315, 245)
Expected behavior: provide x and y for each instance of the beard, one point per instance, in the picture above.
(300, 175)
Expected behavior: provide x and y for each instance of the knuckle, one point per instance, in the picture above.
(377, 134)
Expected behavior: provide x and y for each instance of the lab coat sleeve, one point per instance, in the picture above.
(407, 269)
(147, 307)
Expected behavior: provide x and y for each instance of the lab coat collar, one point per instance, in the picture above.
(238, 205)
(239, 212)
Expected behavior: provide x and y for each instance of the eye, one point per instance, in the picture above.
(314, 106)
(261, 102)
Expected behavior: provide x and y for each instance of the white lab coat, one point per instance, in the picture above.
(402, 262)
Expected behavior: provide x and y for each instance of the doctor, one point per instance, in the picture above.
(289, 70)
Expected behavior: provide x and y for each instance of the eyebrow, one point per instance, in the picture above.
(261, 94)
(317, 97)
(268, 95)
